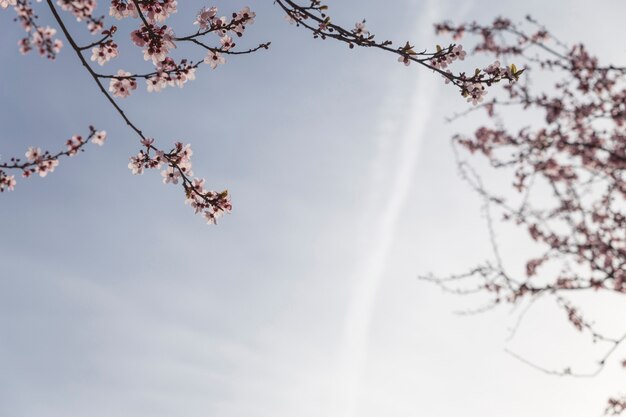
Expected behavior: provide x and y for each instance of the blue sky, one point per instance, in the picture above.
(116, 300)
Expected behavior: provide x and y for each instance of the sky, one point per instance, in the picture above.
(115, 300)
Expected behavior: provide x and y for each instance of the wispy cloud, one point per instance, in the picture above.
(410, 126)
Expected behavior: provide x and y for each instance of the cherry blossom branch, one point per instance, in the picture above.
(40, 37)
(569, 175)
(580, 324)
(473, 87)
(176, 69)
(210, 203)
(44, 163)
(156, 42)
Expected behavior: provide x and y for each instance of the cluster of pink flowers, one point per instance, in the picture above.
(314, 18)
(82, 9)
(158, 11)
(443, 58)
(497, 72)
(475, 92)
(569, 171)
(211, 204)
(171, 74)
(208, 21)
(156, 41)
(104, 52)
(154, 10)
(123, 84)
(43, 163)
(177, 168)
(7, 182)
(74, 144)
(40, 38)
(206, 18)
(121, 9)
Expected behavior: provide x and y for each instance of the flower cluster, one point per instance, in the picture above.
(158, 11)
(154, 10)
(7, 182)
(206, 18)
(123, 84)
(214, 58)
(171, 74)
(156, 41)
(121, 9)
(104, 52)
(208, 21)
(40, 38)
(83, 11)
(443, 58)
(314, 17)
(474, 92)
(176, 167)
(74, 144)
(568, 173)
(43, 162)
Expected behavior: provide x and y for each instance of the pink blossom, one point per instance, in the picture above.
(99, 138)
(122, 87)
(158, 10)
(157, 40)
(6, 3)
(458, 52)
(121, 9)
(33, 154)
(227, 43)
(360, 30)
(6, 182)
(147, 142)
(46, 166)
(104, 52)
(246, 15)
(214, 59)
(81, 9)
(73, 144)
(136, 163)
(475, 92)
(493, 68)
(170, 175)
(205, 16)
